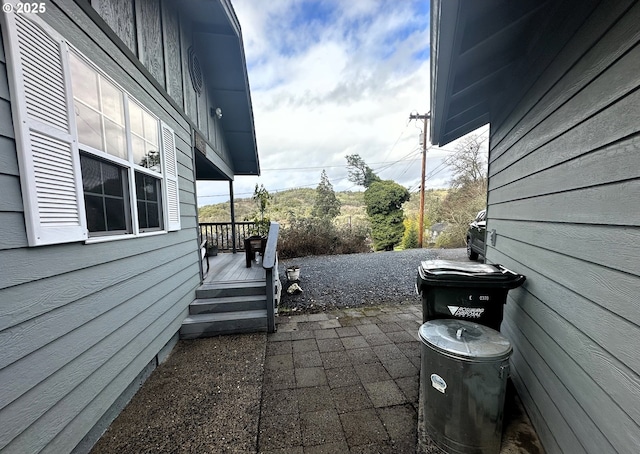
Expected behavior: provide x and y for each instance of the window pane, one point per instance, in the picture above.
(106, 210)
(112, 180)
(153, 215)
(135, 118)
(153, 157)
(151, 189)
(91, 176)
(95, 213)
(89, 128)
(142, 215)
(116, 219)
(148, 197)
(150, 129)
(138, 147)
(112, 102)
(140, 193)
(116, 145)
(84, 81)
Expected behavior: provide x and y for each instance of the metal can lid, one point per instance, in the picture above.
(465, 339)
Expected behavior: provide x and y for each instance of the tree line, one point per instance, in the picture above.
(390, 212)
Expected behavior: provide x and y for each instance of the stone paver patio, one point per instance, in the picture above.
(343, 381)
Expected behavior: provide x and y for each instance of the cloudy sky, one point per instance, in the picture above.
(330, 78)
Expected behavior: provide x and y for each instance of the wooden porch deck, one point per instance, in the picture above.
(228, 267)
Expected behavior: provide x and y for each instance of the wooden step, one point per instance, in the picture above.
(208, 325)
(228, 304)
(233, 288)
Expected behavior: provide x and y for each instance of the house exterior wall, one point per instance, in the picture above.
(80, 322)
(564, 186)
(162, 39)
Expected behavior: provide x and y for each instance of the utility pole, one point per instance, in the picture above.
(424, 117)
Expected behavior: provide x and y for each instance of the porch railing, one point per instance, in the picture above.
(219, 234)
(270, 265)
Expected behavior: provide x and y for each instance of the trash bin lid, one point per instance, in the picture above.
(449, 266)
(447, 272)
(465, 339)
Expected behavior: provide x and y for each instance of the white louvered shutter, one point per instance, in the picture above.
(169, 154)
(47, 153)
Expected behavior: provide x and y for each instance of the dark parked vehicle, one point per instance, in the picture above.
(476, 235)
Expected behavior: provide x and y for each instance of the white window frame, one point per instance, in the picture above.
(54, 215)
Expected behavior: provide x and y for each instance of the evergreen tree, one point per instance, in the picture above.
(410, 238)
(384, 201)
(359, 172)
(326, 205)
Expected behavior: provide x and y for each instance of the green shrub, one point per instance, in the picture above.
(410, 239)
(313, 236)
(452, 237)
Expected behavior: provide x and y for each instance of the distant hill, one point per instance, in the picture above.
(298, 203)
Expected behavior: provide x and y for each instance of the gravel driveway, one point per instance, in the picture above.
(339, 281)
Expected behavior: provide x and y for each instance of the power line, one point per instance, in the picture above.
(386, 165)
(389, 163)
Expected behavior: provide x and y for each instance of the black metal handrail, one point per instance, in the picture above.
(219, 234)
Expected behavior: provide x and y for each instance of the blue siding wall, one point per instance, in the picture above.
(564, 181)
(79, 322)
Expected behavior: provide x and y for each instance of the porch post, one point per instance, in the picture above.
(233, 218)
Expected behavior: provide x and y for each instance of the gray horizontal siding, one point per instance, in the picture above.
(576, 59)
(8, 158)
(11, 199)
(12, 232)
(588, 327)
(564, 180)
(119, 382)
(6, 129)
(66, 362)
(79, 322)
(97, 297)
(617, 162)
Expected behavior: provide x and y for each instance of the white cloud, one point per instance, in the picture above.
(338, 82)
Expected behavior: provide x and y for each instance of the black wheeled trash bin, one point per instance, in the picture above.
(469, 291)
(464, 377)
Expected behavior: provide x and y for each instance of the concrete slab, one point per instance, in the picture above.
(342, 376)
(307, 359)
(314, 399)
(309, 377)
(321, 427)
(369, 373)
(331, 360)
(328, 333)
(363, 427)
(347, 331)
(354, 342)
(385, 393)
(330, 345)
(350, 398)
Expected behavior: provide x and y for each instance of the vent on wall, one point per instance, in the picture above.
(195, 71)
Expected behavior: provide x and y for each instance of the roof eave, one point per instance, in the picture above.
(223, 46)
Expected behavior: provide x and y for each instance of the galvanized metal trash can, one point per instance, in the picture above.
(464, 376)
